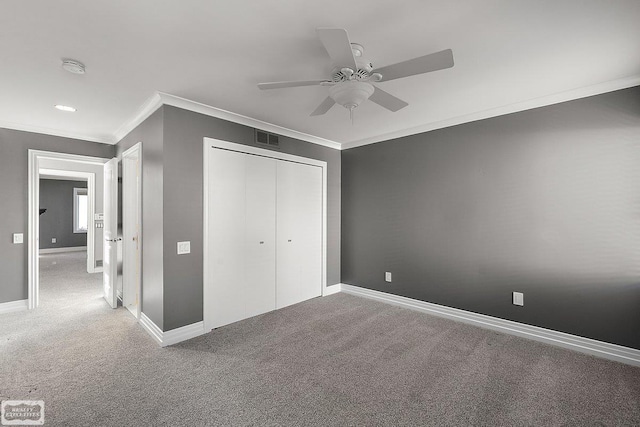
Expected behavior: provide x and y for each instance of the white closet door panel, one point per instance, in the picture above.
(299, 233)
(309, 207)
(260, 236)
(227, 209)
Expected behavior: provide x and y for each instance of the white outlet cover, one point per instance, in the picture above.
(518, 298)
(18, 238)
(387, 276)
(184, 248)
(54, 240)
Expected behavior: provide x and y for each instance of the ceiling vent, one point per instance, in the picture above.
(267, 138)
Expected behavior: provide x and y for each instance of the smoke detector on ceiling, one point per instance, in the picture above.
(73, 66)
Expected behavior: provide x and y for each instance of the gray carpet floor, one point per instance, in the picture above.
(333, 361)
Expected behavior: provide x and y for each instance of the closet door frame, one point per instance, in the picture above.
(210, 143)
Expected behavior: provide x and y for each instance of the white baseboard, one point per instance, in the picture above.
(152, 328)
(173, 336)
(59, 250)
(12, 306)
(602, 349)
(330, 290)
(184, 333)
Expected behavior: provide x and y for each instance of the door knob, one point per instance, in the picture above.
(262, 243)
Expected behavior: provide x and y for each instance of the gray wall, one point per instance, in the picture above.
(57, 197)
(183, 174)
(544, 202)
(14, 146)
(150, 133)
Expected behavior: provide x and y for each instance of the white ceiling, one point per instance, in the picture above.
(509, 55)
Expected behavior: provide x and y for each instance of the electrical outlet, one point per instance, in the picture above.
(54, 240)
(18, 238)
(518, 298)
(387, 276)
(184, 248)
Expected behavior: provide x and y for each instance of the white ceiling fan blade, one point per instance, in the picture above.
(336, 42)
(280, 85)
(386, 100)
(324, 107)
(424, 64)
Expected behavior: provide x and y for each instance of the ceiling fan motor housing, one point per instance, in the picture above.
(351, 93)
(362, 73)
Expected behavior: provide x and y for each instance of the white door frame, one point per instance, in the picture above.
(217, 143)
(35, 156)
(129, 259)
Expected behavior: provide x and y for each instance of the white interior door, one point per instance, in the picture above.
(241, 206)
(264, 234)
(131, 228)
(260, 235)
(226, 237)
(299, 239)
(110, 257)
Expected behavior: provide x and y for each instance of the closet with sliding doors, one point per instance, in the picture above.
(263, 231)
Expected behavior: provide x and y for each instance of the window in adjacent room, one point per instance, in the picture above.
(80, 210)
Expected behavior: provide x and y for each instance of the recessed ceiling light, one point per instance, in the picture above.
(73, 66)
(65, 108)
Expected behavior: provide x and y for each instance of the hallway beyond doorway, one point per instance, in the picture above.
(64, 281)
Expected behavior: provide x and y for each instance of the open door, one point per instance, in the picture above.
(110, 255)
(131, 228)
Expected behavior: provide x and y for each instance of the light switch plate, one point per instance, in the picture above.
(518, 298)
(18, 238)
(54, 240)
(387, 276)
(184, 248)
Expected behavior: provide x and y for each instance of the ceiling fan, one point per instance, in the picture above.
(352, 76)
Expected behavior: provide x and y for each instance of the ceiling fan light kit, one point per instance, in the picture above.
(350, 84)
(351, 93)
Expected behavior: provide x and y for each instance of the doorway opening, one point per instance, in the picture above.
(65, 262)
(94, 213)
(59, 168)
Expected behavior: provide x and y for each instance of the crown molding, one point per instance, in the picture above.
(197, 107)
(159, 99)
(55, 132)
(144, 111)
(543, 101)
